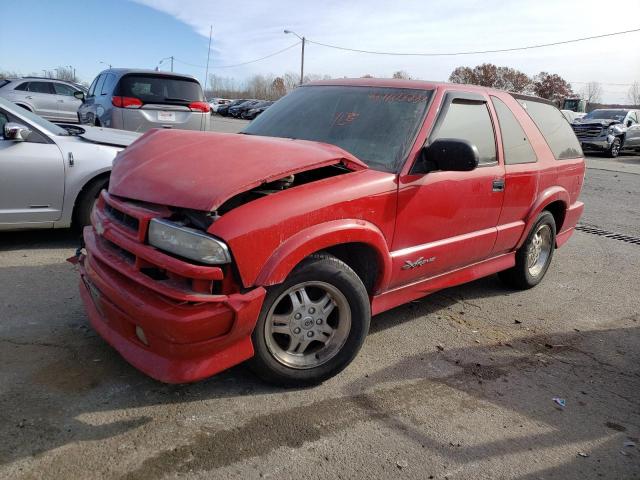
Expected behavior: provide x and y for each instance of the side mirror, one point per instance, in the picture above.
(79, 95)
(629, 123)
(449, 154)
(16, 132)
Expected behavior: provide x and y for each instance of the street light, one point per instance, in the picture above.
(105, 63)
(302, 57)
(162, 60)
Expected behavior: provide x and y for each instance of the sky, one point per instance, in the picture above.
(140, 33)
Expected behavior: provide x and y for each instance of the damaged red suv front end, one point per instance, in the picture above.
(178, 319)
(158, 311)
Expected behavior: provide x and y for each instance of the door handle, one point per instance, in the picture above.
(28, 97)
(498, 184)
(60, 101)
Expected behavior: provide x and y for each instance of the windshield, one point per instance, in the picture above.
(606, 115)
(33, 118)
(160, 89)
(377, 125)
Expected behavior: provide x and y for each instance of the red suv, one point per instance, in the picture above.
(344, 199)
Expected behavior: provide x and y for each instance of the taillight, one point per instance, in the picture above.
(200, 106)
(126, 102)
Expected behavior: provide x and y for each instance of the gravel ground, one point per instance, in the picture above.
(458, 385)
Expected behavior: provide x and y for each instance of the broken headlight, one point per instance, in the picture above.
(187, 242)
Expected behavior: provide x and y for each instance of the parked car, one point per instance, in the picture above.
(51, 176)
(609, 130)
(344, 199)
(138, 100)
(571, 116)
(255, 110)
(223, 110)
(51, 99)
(237, 110)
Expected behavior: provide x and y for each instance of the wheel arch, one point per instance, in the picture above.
(355, 242)
(104, 175)
(556, 200)
(26, 106)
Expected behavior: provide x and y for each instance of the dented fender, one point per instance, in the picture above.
(319, 237)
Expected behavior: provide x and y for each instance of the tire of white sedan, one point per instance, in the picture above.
(86, 201)
(312, 325)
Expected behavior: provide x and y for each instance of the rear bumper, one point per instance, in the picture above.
(571, 217)
(186, 342)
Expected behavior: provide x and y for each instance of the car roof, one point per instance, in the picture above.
(142, 71)
(418, 85)
(21, 79)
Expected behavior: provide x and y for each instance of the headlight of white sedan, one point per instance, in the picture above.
(187, 242)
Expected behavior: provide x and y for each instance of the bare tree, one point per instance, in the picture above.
(633, 94)
(592, 92)
(401, 74)
(65, 73)
(291, 80)
(278, 88)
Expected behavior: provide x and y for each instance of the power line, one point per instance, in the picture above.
(242, 63)
(449, 54)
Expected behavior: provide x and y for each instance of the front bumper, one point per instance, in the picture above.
(187, 335)
(596, 143)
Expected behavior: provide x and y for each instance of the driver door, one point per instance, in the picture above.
(31, 177)
(448, 220)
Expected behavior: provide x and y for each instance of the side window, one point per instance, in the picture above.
(516, 145)
(470, 120)
(40, 87)
(107, 87)
(554, 128)
(62, 89)
(24, 86)
(92, 87)
(100, 83)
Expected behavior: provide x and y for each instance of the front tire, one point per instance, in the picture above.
(614, 149)
(312, 325)
(534, 257)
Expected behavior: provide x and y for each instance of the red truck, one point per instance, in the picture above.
(344, 199)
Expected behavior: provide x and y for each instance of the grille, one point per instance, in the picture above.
(607, 234)
(121, 217)
(587, 130)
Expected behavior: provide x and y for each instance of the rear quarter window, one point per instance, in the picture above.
(554, 128)
(515, 143)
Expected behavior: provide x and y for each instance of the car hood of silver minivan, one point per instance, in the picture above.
(108, 136)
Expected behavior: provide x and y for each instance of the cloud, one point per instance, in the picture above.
(251, 29)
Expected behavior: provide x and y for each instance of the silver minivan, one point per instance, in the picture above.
(138, 100)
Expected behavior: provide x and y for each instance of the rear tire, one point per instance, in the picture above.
(312, 325)
(534, 256)
(86, 201)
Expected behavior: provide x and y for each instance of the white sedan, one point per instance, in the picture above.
(50, 176)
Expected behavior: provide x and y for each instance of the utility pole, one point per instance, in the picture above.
(172, 63)
(302, 56)
(302, 63)
(206, 72)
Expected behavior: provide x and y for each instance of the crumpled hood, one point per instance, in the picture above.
(595, 121)
(109, 136)
(201, 170)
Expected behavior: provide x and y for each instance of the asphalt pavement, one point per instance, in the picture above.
(458, 385)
